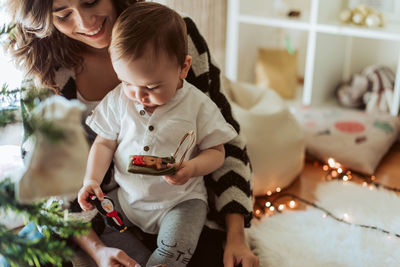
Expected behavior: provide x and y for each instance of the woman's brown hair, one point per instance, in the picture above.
(37, 46)
(149, 25)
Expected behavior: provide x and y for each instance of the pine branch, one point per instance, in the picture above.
(7, 30)
(32, 97)
(7, 116)
(52, 133)
(10, 98)
(19, 250)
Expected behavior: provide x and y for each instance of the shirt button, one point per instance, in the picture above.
(142, 112)
(151, 128)
(146, 148)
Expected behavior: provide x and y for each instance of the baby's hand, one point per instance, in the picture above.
(90, 187)
(184, 173)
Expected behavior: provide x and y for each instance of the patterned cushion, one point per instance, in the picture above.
(356, 139)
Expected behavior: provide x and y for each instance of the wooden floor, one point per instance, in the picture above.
(387, 173)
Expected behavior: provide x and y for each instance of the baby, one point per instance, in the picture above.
(147, 114)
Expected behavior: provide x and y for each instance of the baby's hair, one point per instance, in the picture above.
(149, 25)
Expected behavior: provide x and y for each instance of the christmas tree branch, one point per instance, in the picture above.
(51, 245)
(7, 30)
(46, 249)
(11, 98)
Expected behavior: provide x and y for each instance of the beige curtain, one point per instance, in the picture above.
(210, 18)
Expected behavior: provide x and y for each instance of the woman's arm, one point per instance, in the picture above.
(234, 183)
(205, 75)
(236, 250)
(103, 256)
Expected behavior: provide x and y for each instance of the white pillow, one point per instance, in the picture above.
(275, 141)
(356, 139)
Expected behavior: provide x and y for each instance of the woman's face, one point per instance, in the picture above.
(88, 21)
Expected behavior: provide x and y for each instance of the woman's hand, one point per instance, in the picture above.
(114, 257)
(103, 256)
(236, 249)
(184, 173)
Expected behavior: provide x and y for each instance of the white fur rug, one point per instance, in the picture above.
(305, 238)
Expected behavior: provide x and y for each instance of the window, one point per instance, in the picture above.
(8, 73)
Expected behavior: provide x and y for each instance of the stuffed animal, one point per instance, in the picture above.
(371, 89)
(107, 208)
(362, 16)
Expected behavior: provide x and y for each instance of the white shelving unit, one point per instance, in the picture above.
(329, 52)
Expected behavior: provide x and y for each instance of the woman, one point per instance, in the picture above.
(63, 45)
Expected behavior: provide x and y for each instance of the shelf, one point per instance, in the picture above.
(329, 51)
(275, 22)
(390, 32)
(274, 9)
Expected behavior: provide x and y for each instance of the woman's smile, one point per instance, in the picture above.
(97, 32)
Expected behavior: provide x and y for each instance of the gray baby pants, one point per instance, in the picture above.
(178, 236)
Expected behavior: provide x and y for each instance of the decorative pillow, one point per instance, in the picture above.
(356, 139)
(274, 139)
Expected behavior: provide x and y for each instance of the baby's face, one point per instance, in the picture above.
(149, 80)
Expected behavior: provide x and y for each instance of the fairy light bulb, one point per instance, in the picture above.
(331, 162)
(371, 187)
(278, 189)
(345, 216)
(345, 178)
(268, 204)
(334, 174)
(292, 204)
(258, 212)
(272, 208)
(269, 193)
(325, 167)
(281, 207)
(340, 170)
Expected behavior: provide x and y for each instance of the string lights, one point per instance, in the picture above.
(335, 170)
(269, 204)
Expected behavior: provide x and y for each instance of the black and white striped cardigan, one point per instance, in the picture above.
(230, 187)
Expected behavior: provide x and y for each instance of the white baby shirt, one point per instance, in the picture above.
(144, 198)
